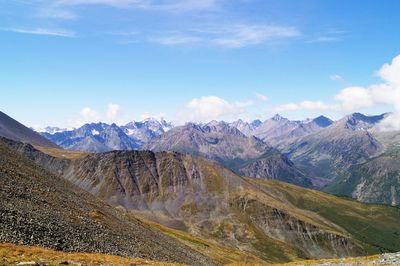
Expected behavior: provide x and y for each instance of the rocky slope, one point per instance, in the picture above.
(41, 209)
(386, 259)
(12, 129)
(269, 220)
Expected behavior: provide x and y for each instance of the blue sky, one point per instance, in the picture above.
(69, 62)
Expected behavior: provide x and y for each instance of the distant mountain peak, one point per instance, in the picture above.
(358, 121)
(322, 121)
(278, 117)
(256, 123)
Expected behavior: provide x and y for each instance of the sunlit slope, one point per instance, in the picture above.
(376, 225)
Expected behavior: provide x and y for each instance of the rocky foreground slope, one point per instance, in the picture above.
(41, 209)
(271, 221)
(386, 259)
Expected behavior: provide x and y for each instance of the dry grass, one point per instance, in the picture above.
(11, 254)
(216, 251)
(60, 153)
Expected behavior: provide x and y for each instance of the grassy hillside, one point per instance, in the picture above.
(376, 225)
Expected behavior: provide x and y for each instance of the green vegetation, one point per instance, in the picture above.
(375, 225)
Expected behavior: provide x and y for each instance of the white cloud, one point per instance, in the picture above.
(43, 31)
(347, 100)
(336, 77)
(208, 108)
(391, 72)
(158, 117)
(89, 114)
(112, 110)
(112, 114)
(355, 98)
(305, 105)
(261, 96)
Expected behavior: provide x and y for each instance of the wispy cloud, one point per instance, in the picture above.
(56, 13)
(328, 36)
(236, 36)
(261, 96)
(215, 32)
(176, 40)
(177, 5)
(244, 34)
(340, 79)
(43, 31)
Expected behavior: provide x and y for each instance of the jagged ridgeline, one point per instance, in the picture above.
(243, 219)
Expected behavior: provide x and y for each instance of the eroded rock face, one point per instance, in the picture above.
(134, 179)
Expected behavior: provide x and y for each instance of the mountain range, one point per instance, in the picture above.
(315, 153)
(195, 206)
